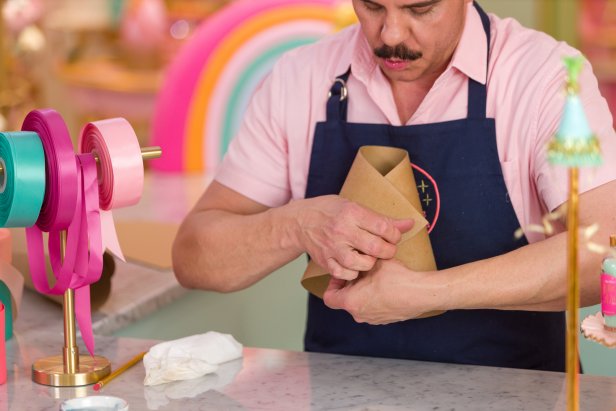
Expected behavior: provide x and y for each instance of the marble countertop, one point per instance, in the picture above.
(283, 380)
(156, 288)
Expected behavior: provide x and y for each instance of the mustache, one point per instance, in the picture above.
(399, 52)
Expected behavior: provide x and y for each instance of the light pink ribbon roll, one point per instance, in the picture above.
(120, 176)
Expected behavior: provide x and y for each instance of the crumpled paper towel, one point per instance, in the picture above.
(159, 396)
(189, 357)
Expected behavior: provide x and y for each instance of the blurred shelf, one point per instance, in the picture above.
(605, 69)
(110, 75)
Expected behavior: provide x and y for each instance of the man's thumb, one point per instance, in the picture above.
(404, 225)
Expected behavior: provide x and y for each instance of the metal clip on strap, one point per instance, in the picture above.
(343, 89)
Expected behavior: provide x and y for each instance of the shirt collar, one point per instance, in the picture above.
(470, 56)
(359, 54)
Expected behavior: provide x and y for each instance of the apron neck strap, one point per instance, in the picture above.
(477, 92)
(337, 101)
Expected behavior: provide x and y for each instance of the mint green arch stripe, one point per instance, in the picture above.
(243, 90)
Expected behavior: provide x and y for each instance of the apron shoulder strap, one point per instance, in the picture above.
(337, 98)
(477, 92)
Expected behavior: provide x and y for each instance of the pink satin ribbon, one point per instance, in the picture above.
(61, 169)
(120, 170)
(89, 254)
(59, 203)
(71, 204)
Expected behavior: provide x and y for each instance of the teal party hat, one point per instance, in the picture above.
(574, 145)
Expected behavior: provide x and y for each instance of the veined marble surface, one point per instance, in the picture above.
(136, 291)
(283, 380)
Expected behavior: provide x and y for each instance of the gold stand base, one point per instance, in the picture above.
(50, 371)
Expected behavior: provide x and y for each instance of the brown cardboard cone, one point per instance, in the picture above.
(381, 179)
(99, 291)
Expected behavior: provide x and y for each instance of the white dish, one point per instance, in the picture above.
(95, 403)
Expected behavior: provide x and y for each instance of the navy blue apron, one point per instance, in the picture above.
(476, 221)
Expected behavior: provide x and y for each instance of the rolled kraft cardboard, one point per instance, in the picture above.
(381, 179)
(99, 291)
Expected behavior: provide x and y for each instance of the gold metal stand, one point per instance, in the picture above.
(573, 295)
(70, 369)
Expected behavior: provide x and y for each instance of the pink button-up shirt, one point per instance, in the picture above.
(268, 160)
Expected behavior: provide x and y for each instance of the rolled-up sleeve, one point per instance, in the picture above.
(551, 180)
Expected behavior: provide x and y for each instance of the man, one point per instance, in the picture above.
(474, 100)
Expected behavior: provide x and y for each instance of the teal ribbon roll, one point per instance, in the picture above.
(22, 182)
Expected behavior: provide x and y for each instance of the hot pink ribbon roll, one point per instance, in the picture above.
(61, 169)
(120, 170)
(71, 204)
(59, 203)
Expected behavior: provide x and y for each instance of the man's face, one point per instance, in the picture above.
(412, 39)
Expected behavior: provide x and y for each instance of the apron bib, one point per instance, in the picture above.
(459, 165)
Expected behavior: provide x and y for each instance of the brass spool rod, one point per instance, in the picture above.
(147, 153)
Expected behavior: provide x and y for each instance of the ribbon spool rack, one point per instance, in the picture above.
(47, 127)
(71, 369)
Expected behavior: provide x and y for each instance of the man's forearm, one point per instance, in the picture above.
(223, 251)
(229, 241)
(535, 277)
(530, 278)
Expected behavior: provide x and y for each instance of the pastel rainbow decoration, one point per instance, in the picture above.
(208, 86)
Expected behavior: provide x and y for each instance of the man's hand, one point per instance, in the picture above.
(345, 237)
(388, 293)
